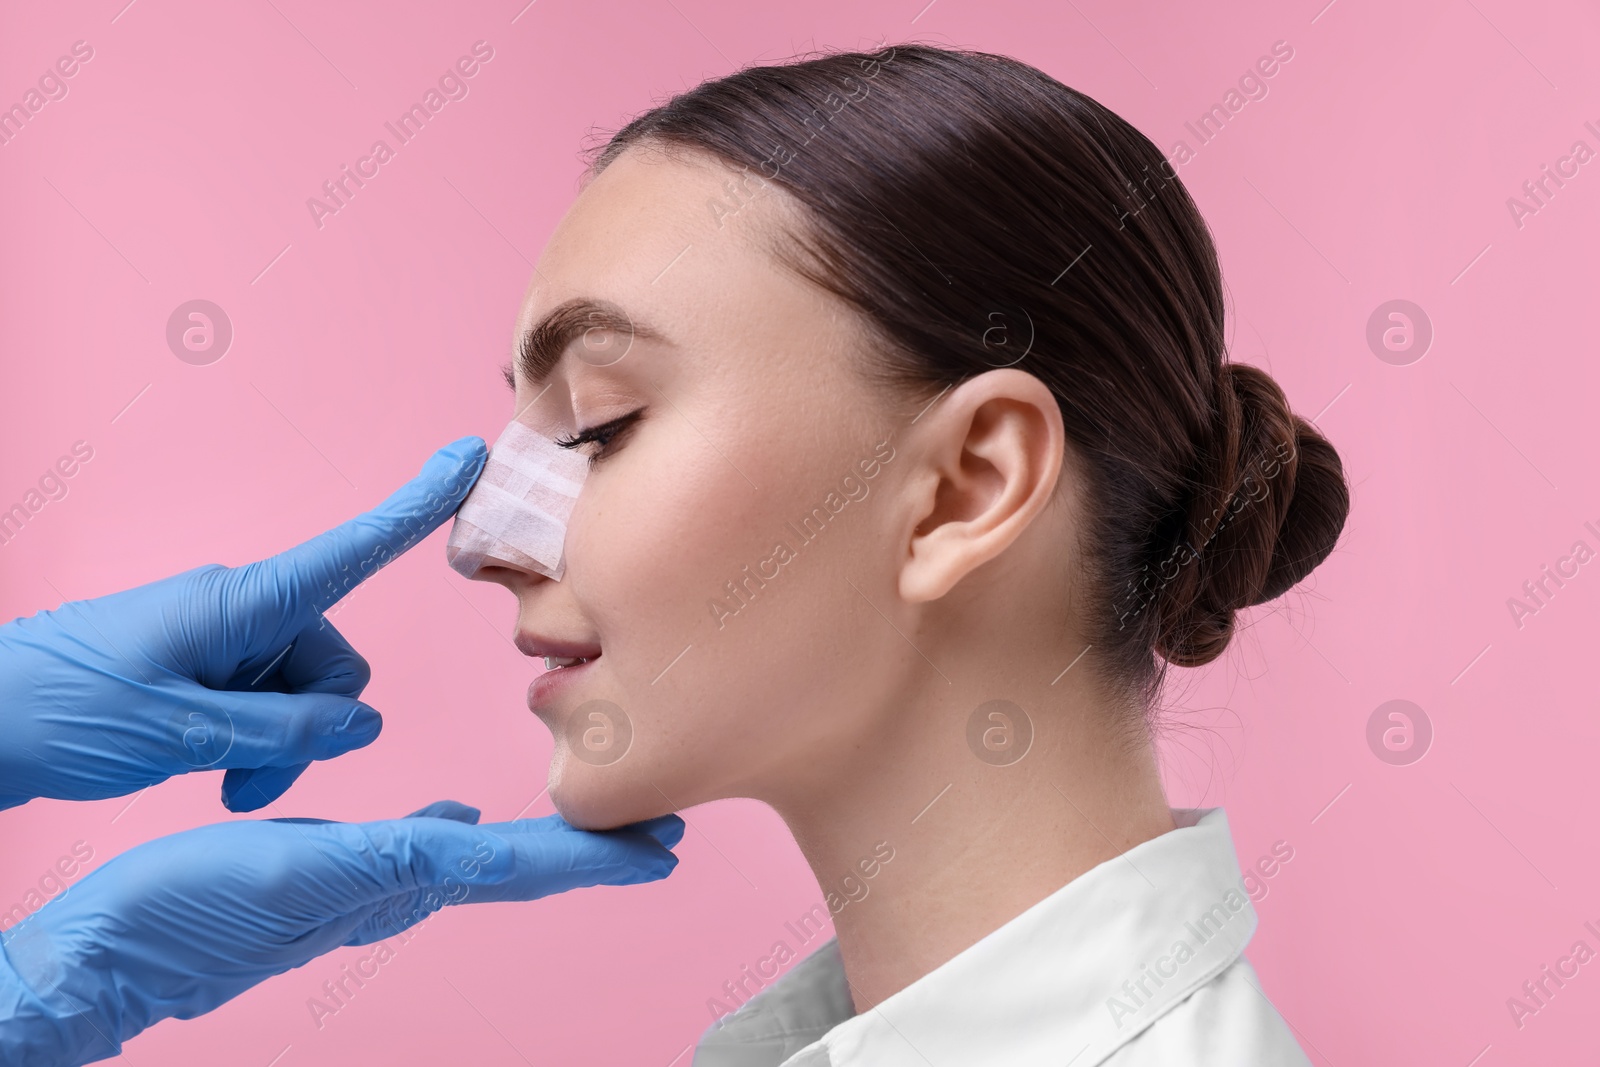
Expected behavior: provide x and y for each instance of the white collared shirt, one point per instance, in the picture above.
(1135, 963)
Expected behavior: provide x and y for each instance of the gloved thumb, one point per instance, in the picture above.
(249, 788)
(448, 809)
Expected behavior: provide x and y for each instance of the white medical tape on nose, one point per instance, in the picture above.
(517, 512)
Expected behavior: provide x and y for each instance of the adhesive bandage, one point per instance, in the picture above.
(517, 512)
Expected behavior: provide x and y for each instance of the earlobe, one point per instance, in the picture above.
(989, 461)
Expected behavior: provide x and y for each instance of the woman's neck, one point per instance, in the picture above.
(935, 841)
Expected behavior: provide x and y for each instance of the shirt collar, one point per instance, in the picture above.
(1070, 980)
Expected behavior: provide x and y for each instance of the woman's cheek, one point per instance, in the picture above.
(647, 553)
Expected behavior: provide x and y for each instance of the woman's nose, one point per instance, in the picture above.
(514, 577)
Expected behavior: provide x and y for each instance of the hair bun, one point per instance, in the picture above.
(1268, 506)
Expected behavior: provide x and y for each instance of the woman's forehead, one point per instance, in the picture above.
(663, 238)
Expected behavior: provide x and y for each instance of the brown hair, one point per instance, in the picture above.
(971, 206)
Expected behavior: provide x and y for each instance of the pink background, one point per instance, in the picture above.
(1377, 167)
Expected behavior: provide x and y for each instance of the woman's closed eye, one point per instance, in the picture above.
(604, 435)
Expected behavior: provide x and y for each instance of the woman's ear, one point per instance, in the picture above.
(987, 463)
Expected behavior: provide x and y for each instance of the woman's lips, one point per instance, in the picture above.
(542, 691)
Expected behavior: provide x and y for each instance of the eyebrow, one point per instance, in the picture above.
(547, 340)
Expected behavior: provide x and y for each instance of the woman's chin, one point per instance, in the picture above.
(602, 798)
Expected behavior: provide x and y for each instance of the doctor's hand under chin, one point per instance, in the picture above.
(181, 924)
(228, 668)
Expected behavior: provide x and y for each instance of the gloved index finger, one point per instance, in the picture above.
(480, 863)
(321, 571)
(555, 857)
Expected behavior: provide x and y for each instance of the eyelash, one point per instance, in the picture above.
(603, 435)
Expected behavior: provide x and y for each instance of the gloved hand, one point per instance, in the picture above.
(218, 667)
(178, 925)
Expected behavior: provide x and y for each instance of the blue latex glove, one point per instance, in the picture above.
(218, 667)
(181, 924)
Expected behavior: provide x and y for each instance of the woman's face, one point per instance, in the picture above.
(754, 431)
